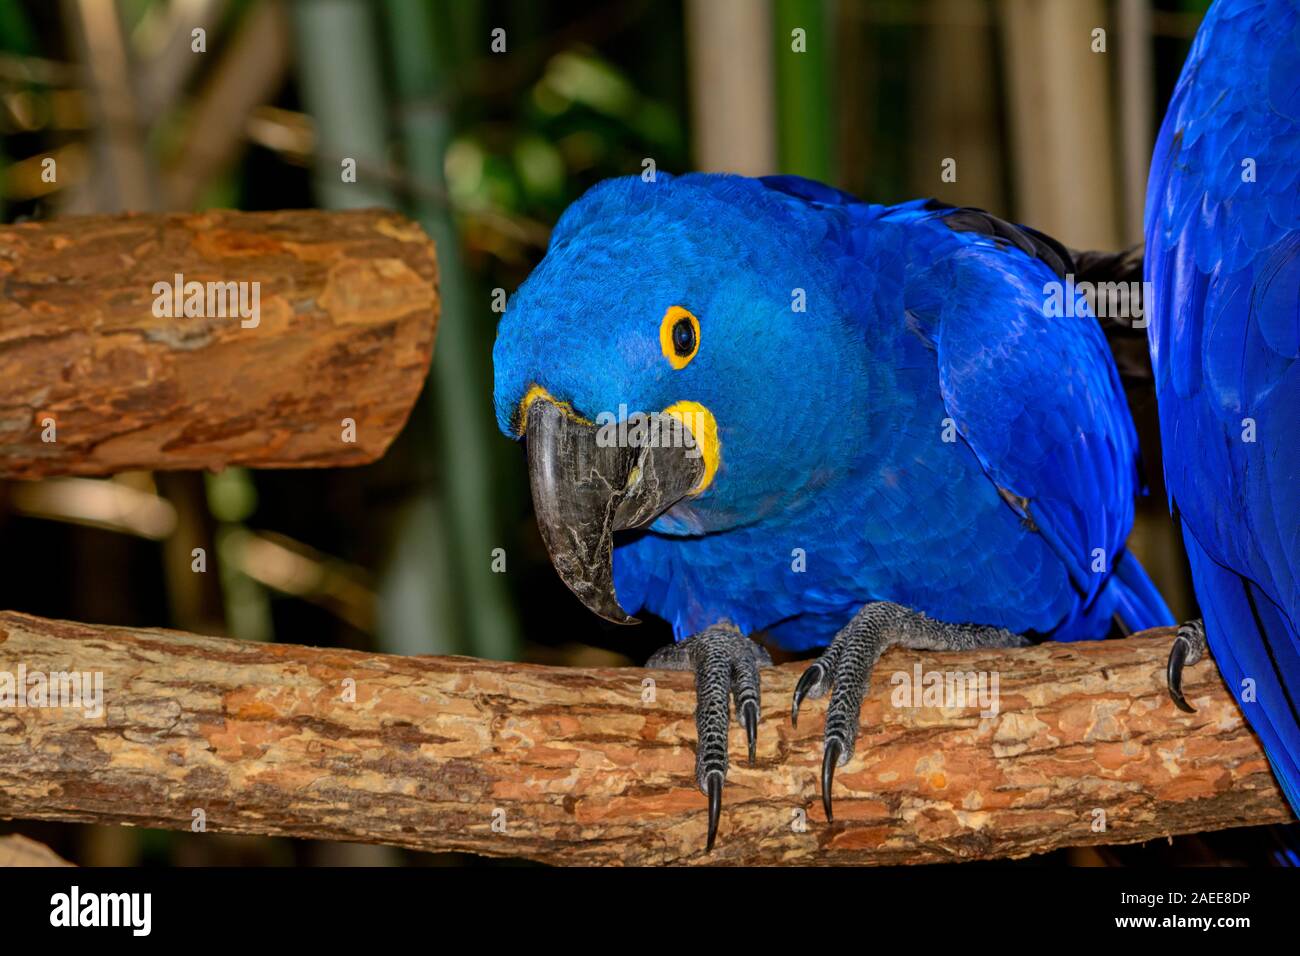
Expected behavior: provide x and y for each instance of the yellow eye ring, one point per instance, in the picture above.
(679, 336)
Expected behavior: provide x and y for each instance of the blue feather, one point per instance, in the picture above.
(1223, 255)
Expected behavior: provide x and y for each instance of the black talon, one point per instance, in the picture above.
(749, 717)
(715, 807)
(829, 761)
(806, 681)
(1174, 675)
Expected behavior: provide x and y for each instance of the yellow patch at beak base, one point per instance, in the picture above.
(705, 429)
(532, 395)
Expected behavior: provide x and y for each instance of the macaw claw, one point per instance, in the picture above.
(807, 681)
(714, 791)
(830, 760)
(845, 667)
(726, 664)
(1188, 648)
(749, 717)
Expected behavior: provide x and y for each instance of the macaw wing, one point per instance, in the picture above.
(1036, 396)
(1223, 258)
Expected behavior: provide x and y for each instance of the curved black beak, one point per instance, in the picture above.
(589, 481)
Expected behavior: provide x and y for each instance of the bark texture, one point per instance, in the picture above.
(347, 309)
(595, 765)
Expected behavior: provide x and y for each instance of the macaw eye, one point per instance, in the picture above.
(683, 337)
(679, 336)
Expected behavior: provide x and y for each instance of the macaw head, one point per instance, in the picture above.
(677, 360)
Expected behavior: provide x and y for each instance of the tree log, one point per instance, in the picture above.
(347, 308)
(18, 850)
(596, 765)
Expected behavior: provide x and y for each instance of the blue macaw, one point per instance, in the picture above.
(1223, 260)
(881, 433)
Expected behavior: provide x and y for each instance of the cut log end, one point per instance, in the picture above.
(188, 341)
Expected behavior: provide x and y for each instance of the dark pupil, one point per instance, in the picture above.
(683, 338)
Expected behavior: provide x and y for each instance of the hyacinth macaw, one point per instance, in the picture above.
(889, 438)
(1223, 260)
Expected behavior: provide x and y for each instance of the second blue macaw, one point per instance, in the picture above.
(893, 435)
(1223, 259)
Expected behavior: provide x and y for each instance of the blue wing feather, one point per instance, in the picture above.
(1036, 397)
(1043, 409)
(1223, 256)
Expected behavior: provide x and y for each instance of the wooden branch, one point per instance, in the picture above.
(346, 311)
(18, 850)
(579, 766)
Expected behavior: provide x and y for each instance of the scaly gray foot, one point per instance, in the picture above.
(1189, 647)
(725, 663)
(846, 666)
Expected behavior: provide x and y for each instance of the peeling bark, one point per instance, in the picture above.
(348, 306)
(577, 766)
